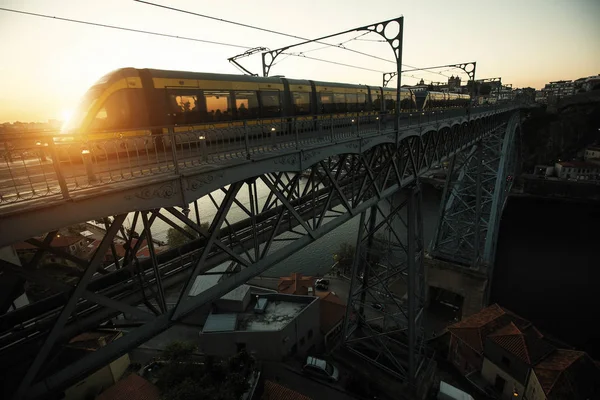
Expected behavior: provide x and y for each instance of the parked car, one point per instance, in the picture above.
(322, 284)
(321, 369)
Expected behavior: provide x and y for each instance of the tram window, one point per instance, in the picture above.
(246, 104)
(339, 100)
(362, 102)
(327, 106)
(377, 102)
(351, 101)
(185, 108)
(390, 102)
(270, 104)
(301, 101)
(114, 114)
(218, 105)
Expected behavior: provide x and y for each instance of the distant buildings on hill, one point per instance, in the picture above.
(554, 91)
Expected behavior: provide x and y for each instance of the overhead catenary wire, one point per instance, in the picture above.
(123, 28)
(332, 62)
(339, 46)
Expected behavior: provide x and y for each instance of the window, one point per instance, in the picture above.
(270, 104)
(218, 105)
(390, 102)
(302, 341)
(351, 102)
(310, 334)
(114, 114)
(185, 108)
(339, 100)
(246, 104)
(327, 103)
(505, 361)
(362, 102)
(301, 102)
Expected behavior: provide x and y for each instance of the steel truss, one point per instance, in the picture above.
(477, 186)
(249, 232)
(381, 326)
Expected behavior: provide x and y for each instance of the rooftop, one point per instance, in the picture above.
(474, 329)
(274, 391)
(280, 310)
(133, 387)
(527, 346)
(568, 374)
(295, 284)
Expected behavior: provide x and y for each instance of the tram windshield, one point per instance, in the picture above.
(82, 110)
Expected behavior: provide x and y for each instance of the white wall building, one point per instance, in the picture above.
(578, 170)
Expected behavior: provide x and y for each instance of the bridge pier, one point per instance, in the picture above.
(469, 284)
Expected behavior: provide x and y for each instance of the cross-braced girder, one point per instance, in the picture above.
(385, 305)
(249, 233)
(476, 190)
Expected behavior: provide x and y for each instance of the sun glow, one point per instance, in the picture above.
(66, 115)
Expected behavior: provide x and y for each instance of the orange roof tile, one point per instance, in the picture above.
(474, 329)
(295, 284)
(133, 387)
(568, 374)
(274, 391)
(527, 347)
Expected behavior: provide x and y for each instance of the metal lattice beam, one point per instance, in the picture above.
(474, 200)
(337, 189)
(380, 327)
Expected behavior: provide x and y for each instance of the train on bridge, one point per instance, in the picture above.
(129, 100)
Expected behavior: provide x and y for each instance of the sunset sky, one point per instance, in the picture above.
(46, 65)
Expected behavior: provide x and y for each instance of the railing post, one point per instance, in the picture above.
(86, 155)
(379, 123)
(296, 133)
(246, 139)
(173, 150)
(203, 150)
(358, 123)
(59, 175)
(331, 126)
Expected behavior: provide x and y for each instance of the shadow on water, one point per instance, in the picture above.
(547, 268)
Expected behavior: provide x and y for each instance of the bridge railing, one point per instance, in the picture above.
(37, 166)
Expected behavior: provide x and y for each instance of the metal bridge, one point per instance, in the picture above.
(319, 174)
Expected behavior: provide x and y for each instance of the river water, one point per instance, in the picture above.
(314, 259)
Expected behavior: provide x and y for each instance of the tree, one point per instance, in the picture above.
(176, 238)
(183, 378)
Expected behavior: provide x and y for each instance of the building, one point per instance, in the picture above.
(509, 355)
(133, 387)
(505, 357)
(74, 245)
(578, 170)
(272, 327)
(103, 378)
(467, 337)
(559, 89)
(592, 154)
(565, 374)
(333, 311)
(296, 284)
(591, 83)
